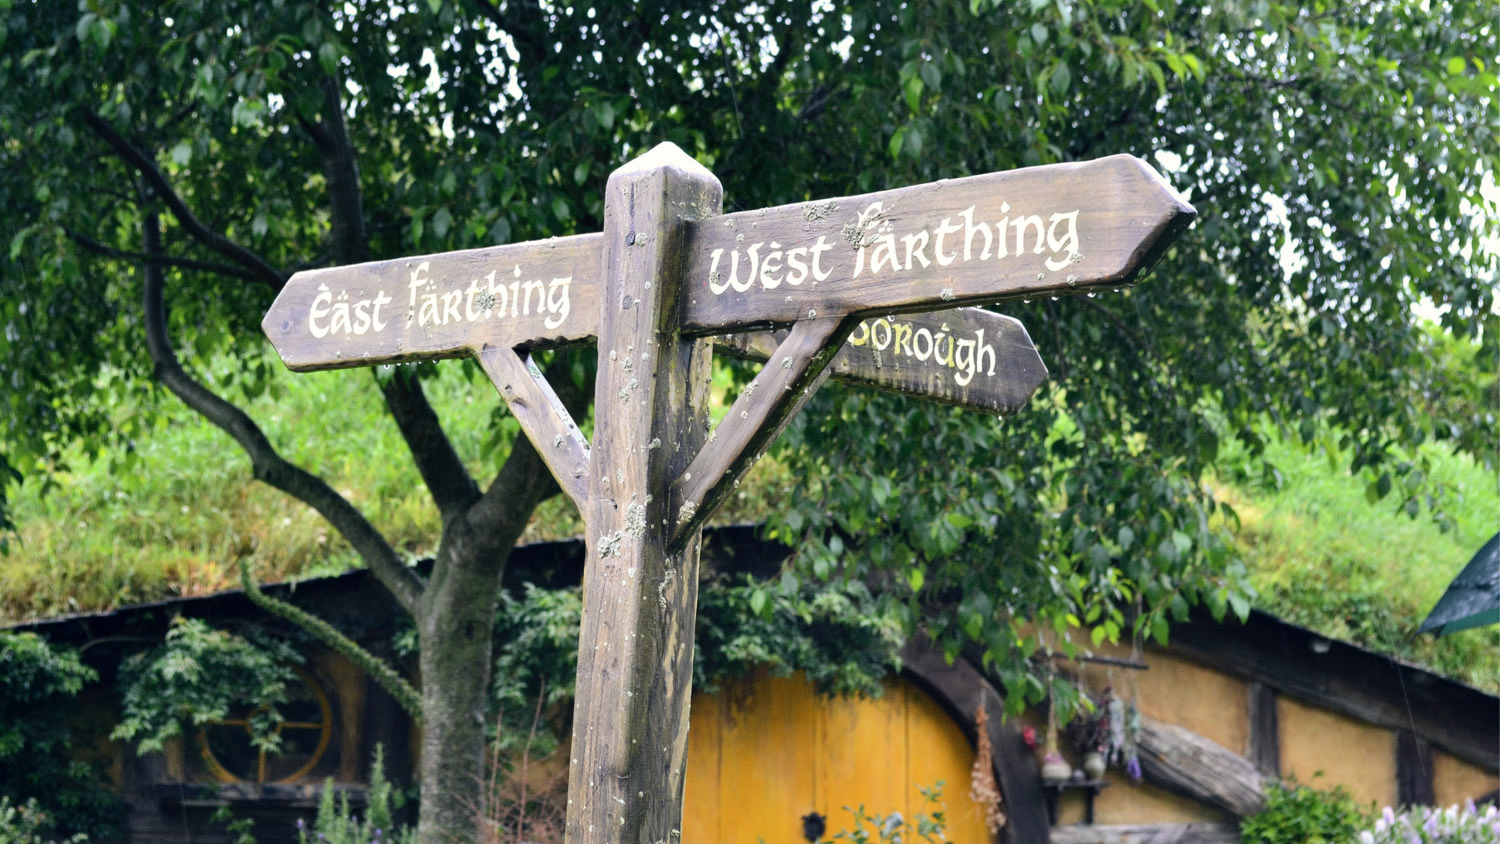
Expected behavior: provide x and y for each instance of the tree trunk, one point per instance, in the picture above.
(454, 625)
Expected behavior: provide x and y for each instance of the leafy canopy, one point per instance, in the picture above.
(1338, 155)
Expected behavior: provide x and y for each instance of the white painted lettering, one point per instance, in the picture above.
(1065, 247)
(557, 301)
(771, 264)
(945, 228)
(885, 253)
(796, 268)
(1021, 224)
(915, 244)
(971, 229)
(317, 311)
(817, 252)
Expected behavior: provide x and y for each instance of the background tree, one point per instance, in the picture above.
(167, 165)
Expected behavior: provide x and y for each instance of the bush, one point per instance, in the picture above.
(28, 824)
(43, 785)
(1427, 825)
(1300, 814)
(198, 676)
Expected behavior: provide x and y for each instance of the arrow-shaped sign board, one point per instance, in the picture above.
(967, 357)
(1035, 231)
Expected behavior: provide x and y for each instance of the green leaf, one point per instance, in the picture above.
(1039, 34)
(1456, 66)
(1061, 78)
(912, 89)
(932, 76)
(916, 577)
(1126, 537)
(182, 153)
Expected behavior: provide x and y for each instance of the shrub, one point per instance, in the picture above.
(44, 782)
(198, 676)
(28, 824)
(1300, 814)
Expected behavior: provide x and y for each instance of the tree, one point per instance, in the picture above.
(166, 166)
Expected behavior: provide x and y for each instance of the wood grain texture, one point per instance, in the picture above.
(1265, 730)
(1028, 232)
(1171, 833)
(1189, 764)
(630, 712)
(544, 419)
(967, 357)
(539, 293)
(758, 415)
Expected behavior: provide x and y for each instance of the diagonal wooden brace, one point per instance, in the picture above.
(543, 419)
(790, 377)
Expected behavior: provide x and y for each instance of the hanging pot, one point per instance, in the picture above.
(1055, 769)
(1093, 765)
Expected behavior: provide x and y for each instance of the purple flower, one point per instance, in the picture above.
(1133, 767)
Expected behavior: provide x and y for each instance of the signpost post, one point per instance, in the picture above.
(846, 282)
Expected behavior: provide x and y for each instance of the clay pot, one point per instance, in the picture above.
(1055, 769)
(1093, 765)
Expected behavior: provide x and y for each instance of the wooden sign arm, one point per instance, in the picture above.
(791, 375)
(543, 419)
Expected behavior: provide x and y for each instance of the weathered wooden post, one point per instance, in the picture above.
(668, 273)
(635, 660)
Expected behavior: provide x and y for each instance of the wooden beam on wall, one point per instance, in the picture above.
(1167, 833)
(1184, 762)
(1265, 732)
(1413, 770)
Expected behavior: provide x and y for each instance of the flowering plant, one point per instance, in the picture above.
(1427, 825)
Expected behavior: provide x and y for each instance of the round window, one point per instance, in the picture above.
(305, 735)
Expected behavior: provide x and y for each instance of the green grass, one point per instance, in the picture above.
(1324, 556)
(179, 518)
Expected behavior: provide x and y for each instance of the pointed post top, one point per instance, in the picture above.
(665, 156)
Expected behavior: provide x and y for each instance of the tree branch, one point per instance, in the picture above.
(98, 248)
(268, 465)
(445, 475)
(262, 271)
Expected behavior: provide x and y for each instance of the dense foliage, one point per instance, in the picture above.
(834, 635)
(48, 790)
(187, 156)
(1297, 813)
(200, 675)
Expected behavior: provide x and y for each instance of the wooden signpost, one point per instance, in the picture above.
(843, 280)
